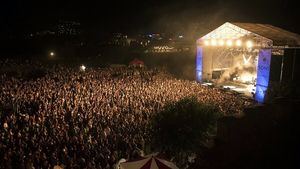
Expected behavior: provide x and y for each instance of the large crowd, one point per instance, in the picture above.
(91, 118)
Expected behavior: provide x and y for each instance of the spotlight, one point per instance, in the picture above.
(229, 43)
(249, 44)
(206, 43)
(238, 43)
(213, 42)
(51, 54)
(221, 42)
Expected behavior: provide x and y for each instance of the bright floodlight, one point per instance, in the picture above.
(213, 42)
(51, 53)
(229, 42)
(221, 42)
(249, 44)
(206, 43)
(82, 68)
(238, 43)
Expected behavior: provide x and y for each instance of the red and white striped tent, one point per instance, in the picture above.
(148, 162)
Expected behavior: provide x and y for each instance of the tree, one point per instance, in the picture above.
(184, 127)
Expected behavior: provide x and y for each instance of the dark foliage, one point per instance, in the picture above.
(184, 126)
(266, 137)
(283, 90)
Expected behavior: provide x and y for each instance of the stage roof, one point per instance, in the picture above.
(278, 36)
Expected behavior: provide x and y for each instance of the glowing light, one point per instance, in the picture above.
(199, 64)
(229, 43)
(82, 68)
(206, 43)
(238, 43)
(213, 42)
(249, 44)
(229, 87)
(263, 73)
(251, 88)
(239, 89)
(247, 77)
(51, 53)
(207, 84)
(246, 60)
(221, 42)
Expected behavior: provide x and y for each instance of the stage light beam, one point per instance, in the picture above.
(246, 60)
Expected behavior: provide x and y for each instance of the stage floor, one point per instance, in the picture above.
(239, 88)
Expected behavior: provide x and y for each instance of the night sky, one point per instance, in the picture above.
(188, 16)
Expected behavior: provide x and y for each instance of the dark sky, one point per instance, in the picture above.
(193, 16)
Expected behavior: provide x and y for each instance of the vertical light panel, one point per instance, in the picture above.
(263, 72)
(199, 58)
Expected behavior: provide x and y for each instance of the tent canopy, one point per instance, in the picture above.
(148, 162)
(280, 37)
(267, 34)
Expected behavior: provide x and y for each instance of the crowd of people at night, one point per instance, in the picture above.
(91, 118)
